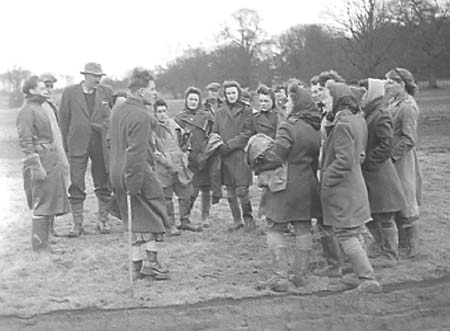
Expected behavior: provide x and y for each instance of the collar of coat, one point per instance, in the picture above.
(372, 106)
(235, 108)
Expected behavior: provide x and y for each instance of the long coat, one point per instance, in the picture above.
(383, 184)
(266, 122)
(405, 114)
(297, 143)
(131, 170)
(36, 139)
(199, 124)
(77, 125)
(234, 125)
(344, 195)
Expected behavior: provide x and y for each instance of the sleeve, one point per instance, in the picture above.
(64, 117)
(408, 133)
(241, 140)
(138, 136)
(383, 149)
(343, 146)
(25, 130)
(276, 155)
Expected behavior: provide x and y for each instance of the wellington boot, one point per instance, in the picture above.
(186, 225)
(277, 246)
(412, 236)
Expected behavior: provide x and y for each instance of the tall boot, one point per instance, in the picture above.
(302, 255)
(412, 236)
(361, 266)
(205, 205)
(39, 233)
(77, 226)
(246, 207)
(103, 217)
(389, 256)
(236, 213)
(184, 206)
(278, 249)
(151, 267)
(402, 238)
(374, 249)
(333, 256)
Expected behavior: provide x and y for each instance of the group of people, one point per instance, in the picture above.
(342, 155)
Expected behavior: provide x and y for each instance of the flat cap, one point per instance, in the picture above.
(213, 86)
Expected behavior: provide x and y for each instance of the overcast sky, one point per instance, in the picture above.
(61, 36)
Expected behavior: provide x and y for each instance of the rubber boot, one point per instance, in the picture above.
(152, 268)
(249, 221)
(77, 214)
(361, 266)
(332, 253)
(205, 206)
(374, 249)
(39, 233)
(302, 255)
(278, 249)
(103, 217)
(389, 256)
(412, 236)
(236, 213)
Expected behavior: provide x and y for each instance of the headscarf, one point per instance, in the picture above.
(375, 90)
(343, 97)
(405, 76)
(303, 106)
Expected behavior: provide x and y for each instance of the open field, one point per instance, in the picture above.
(83, 284)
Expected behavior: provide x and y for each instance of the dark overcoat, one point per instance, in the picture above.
(297, 143)
(131, 168)
(383, 184)
(234, 124)
(36, 139)
(77, 125)
(266, 122)
(405, 115)
(345, 202)
(199, 123)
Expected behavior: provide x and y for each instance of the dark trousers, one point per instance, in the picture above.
(78, 166)
(183, 193)
(205, 198)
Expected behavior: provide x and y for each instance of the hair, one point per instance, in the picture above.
(232, 83)
(117, 95)
(364, 83)
(30, 84)
(160, 103)
(325, 76)
(140, 78)
(405, 76)
(192, 90)
(279, 87)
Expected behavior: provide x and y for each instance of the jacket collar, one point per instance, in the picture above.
(372, 106)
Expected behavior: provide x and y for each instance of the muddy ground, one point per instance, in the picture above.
(83, 284)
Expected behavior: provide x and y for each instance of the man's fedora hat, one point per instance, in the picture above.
(93, 69)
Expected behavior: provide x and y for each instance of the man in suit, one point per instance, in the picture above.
(84, 116)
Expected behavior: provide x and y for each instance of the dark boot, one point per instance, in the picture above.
(412, 236)
(39, 233)
(332, 253)
(186, 225)
(236, 213)
(77, 214)
(389, 256)
(103, 217)
(278, 282)
(184, 206)
(361, 266)
(302, 255)
(152, 268)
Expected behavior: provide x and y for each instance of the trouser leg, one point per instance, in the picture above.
(39, 233)
(278, 249)
(77, 188)
(389, 235)
(302, 253)
(412, 235)
(246, 206)
(184, 194)
(331, 251)
(234, 207)
(102, 187)
(206, 202)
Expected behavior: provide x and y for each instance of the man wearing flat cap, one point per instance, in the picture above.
(84, 116)
(213, 101)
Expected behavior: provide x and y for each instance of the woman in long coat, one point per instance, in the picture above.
(401, 87)
(297, 143)
(132, 173)
(45, 164)
(383, 184)
(344, 195)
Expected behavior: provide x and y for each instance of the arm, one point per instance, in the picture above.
(408, 133)
(383, 149)
(241, 140)
(138, 136)
(64, 118)
(343, 146)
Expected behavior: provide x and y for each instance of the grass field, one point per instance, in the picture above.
(92, 271)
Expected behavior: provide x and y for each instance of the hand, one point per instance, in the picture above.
(224, 149)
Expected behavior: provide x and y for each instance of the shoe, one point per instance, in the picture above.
(186, 225)
(383, 262)
(76, 231)
(152, 268)
(369, 286)
(173, 232)
(329, 271)
(103, 227)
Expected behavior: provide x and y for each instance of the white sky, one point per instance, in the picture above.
(61, 36)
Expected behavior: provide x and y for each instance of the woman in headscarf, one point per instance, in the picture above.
(382, 181)
(343, 190)
(45, 163)
(401, 87)
(297, 143)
